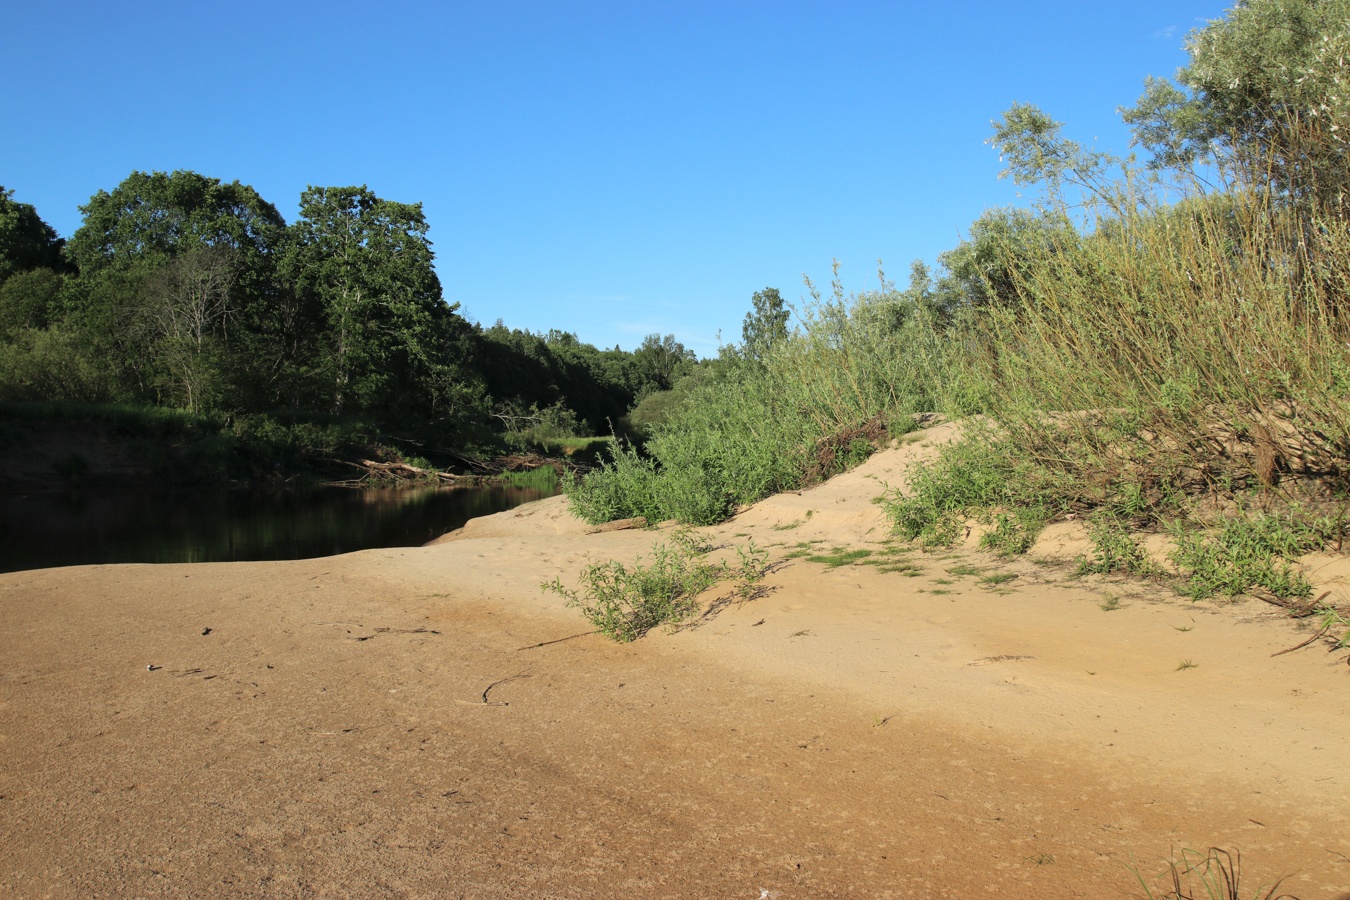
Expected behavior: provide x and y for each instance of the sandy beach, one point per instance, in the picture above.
(411, 723)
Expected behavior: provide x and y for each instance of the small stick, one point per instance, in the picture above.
(1325, 629)
(558, 641)
(487, 702)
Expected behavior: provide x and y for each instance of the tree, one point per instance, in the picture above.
(26, 242)
(29, 299)
(188, 309)
(660, 361)
(125, 249)
(365, 266)
(155, 216)
(1268, 90)
(765, 325)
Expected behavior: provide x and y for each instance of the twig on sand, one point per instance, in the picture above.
(984, 661)
(1324, 630)
(488, 689)
(557, 641)
(379, 631)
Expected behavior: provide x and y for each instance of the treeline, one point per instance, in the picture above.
(182, 291)
(1155, 342)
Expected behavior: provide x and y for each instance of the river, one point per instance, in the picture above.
(43, 530)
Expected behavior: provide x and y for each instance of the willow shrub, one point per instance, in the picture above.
(752, 428)
(1154, 357)
(1199, 345)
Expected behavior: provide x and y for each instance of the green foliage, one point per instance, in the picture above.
(1246, 552)
(1115, 551)
(661, 362)
(1264, 92)
(765, 325)
(975, 478)
(26, 242)
(739, 431)
(30, 299)
(625, 602)
(543, 478)
(524, 372)
(52, 365)
(1015, 530)
(365, 263)
(155, 216)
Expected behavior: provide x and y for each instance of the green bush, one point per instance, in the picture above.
(625, 602)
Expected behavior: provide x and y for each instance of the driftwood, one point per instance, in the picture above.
(375, 470)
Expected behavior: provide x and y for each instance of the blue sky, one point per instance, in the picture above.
(612, 169)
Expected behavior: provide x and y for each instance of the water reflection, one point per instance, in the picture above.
(37, 531)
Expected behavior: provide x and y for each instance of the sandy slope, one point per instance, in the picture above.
(852, 733)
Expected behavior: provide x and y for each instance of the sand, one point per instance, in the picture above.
(384, 724)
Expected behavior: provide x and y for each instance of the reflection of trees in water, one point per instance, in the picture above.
(221, 526)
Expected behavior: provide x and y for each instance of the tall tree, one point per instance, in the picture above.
(26, 242)
(660, 362)
(365, 266)
(766, 323)
(127, 251)
(155, 216)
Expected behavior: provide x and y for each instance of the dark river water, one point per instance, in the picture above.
(42, 530)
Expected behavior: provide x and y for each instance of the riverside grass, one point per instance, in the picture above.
(750, 429)
(1145, 364)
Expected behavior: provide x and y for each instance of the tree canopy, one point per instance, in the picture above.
(26, 242)
(1268, 88)
(766, 323)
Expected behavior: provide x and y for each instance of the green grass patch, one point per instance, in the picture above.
(543, 478)
(1115, 551)
(839, 556)
(1247, 552)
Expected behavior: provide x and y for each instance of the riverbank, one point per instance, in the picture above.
(426, 721)
(68, 447)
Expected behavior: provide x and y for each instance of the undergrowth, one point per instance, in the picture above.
(1249, 552)
(625, 602)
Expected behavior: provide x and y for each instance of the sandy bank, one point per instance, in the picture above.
(852, 733)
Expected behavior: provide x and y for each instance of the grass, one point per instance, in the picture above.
(1116, 551)
(1214, 874)
(840, 556)
(1245, 552)
(543, 478)
(626, 602)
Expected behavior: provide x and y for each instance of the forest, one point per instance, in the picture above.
(186, 296)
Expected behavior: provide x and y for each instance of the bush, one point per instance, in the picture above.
(624, 603)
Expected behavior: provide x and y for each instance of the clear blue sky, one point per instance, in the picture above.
(612, 169)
